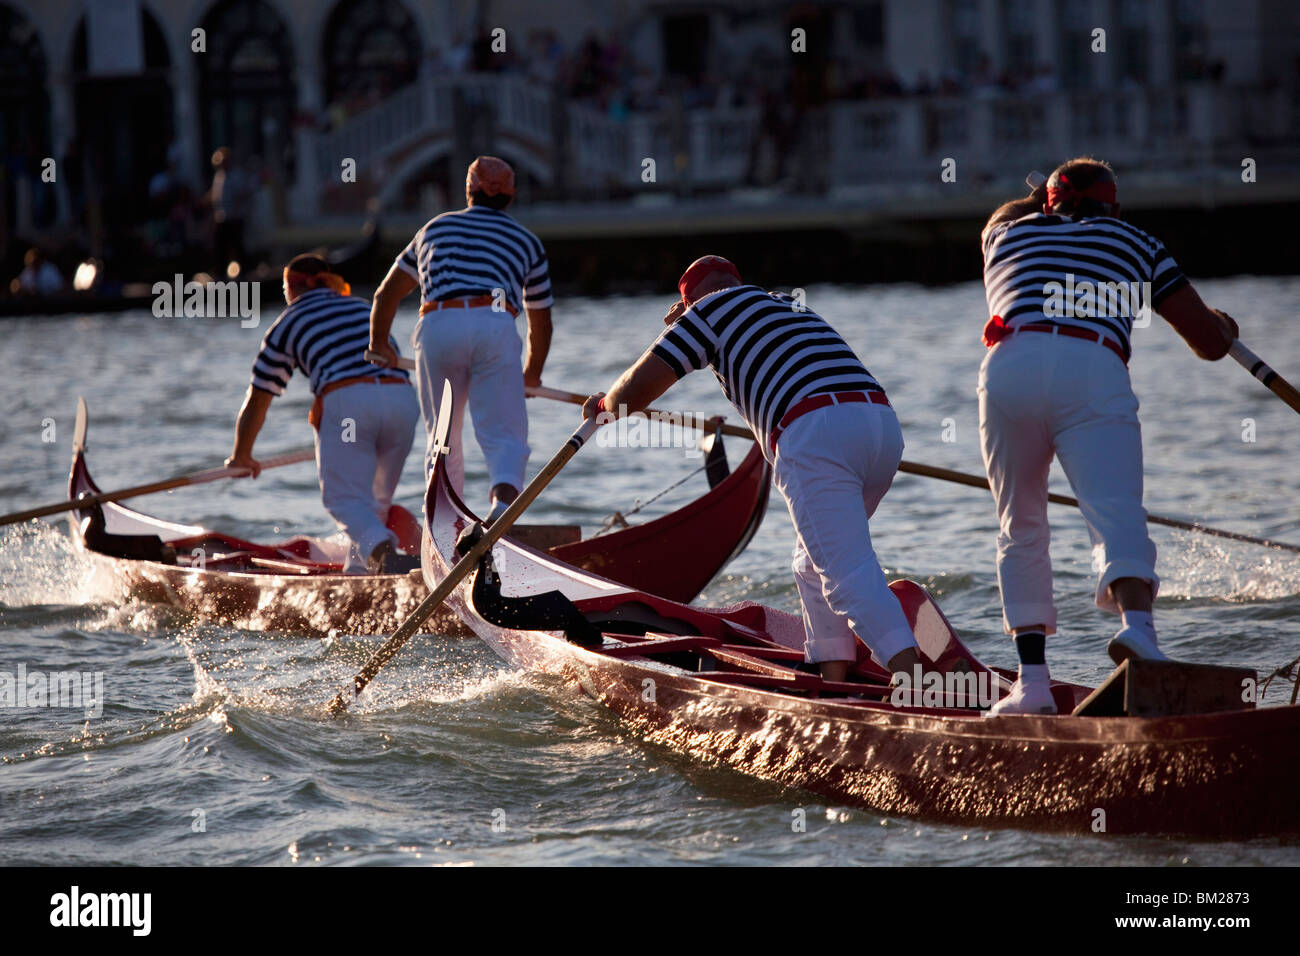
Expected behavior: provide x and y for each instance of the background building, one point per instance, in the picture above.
(342, 109)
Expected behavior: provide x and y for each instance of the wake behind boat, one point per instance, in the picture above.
(724, 685)
(299, 585)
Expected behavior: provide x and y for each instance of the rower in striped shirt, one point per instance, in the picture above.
(364, 418)
(825, 424)
(1065, 279)
(475, 269)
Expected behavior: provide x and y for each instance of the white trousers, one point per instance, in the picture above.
(478, 351)
(832, 467)
(1043, 395)
(364, 437)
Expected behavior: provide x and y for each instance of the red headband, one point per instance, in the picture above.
(316, 280)
(1102, 191)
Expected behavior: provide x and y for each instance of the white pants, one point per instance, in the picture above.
(832, 467)
(1043, 395)
(478, 351)
(364, 437)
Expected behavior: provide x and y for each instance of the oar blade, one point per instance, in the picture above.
(79, 431)
(443, 427)
(466, 563)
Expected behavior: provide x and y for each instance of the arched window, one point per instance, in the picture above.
(124, 126)
(246, 89)
(24, 107)
(372, 47)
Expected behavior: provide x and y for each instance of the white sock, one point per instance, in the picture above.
(1034, 674)
(1142, 621)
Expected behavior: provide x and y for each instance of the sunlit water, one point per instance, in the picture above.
(211, 748)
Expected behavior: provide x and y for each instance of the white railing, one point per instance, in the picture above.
(872, 143)
(376, 132)
(885, 140)
(720, 143)
(519, 107)
(599, 147)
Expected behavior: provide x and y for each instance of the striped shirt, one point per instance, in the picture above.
(766, 353)
(471, 252)
(1090, 273)
(322, 334)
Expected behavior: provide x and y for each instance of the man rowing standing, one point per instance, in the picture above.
(364, 419)
(825, 425)
(475, 268)
(1055, 382)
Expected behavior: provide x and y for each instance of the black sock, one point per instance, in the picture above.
(1031, 645)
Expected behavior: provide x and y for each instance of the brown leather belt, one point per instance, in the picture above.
(1073, 332)
(465, 302)
(314, 416)
(814, 402)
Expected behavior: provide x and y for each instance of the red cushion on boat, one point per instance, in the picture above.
(403, 524)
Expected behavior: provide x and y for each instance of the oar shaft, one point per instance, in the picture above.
(181, 481)
(491, 535)
(1257, 367)
(977, 481)
(680, 418)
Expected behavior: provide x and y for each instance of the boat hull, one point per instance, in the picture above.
(1219, 775)
(1215, 775)
(661, 555)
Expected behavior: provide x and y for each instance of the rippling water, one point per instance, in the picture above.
(210, 747)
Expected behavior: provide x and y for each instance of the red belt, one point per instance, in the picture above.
(465, 302)
(814, 402)
(314, 416)
(1074, 332)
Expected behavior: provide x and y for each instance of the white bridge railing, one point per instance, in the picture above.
(879, 143)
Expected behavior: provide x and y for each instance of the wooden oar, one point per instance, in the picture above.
(678, 418)
(573, 398)
(462, 567)
(181, 481)
(930, 471)
(1257, 367)
(975, 481)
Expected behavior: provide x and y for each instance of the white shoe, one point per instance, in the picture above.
(1131, 642)
(1030, 694)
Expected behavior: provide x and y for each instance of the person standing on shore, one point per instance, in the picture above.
(1055, 383)
(233, 191)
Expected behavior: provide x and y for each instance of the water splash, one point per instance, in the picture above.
(1200, 567)
(40, 565)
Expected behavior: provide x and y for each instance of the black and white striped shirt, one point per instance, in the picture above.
(1089, 273)
(324, 335)
(471, 252)
(766, 353)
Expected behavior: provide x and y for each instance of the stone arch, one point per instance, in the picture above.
(247, 86)
(368, 48)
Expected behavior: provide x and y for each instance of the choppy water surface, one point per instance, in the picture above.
(211, 748)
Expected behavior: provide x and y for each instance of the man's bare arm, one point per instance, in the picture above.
(397, 285)
(539, 345)
(1018, 207)
(636, 388)
(1209, 332)
(252, 415)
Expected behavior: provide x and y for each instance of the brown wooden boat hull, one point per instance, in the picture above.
(1218, 775)
(667, 555)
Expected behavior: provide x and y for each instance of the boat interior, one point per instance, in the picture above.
(748, 645)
